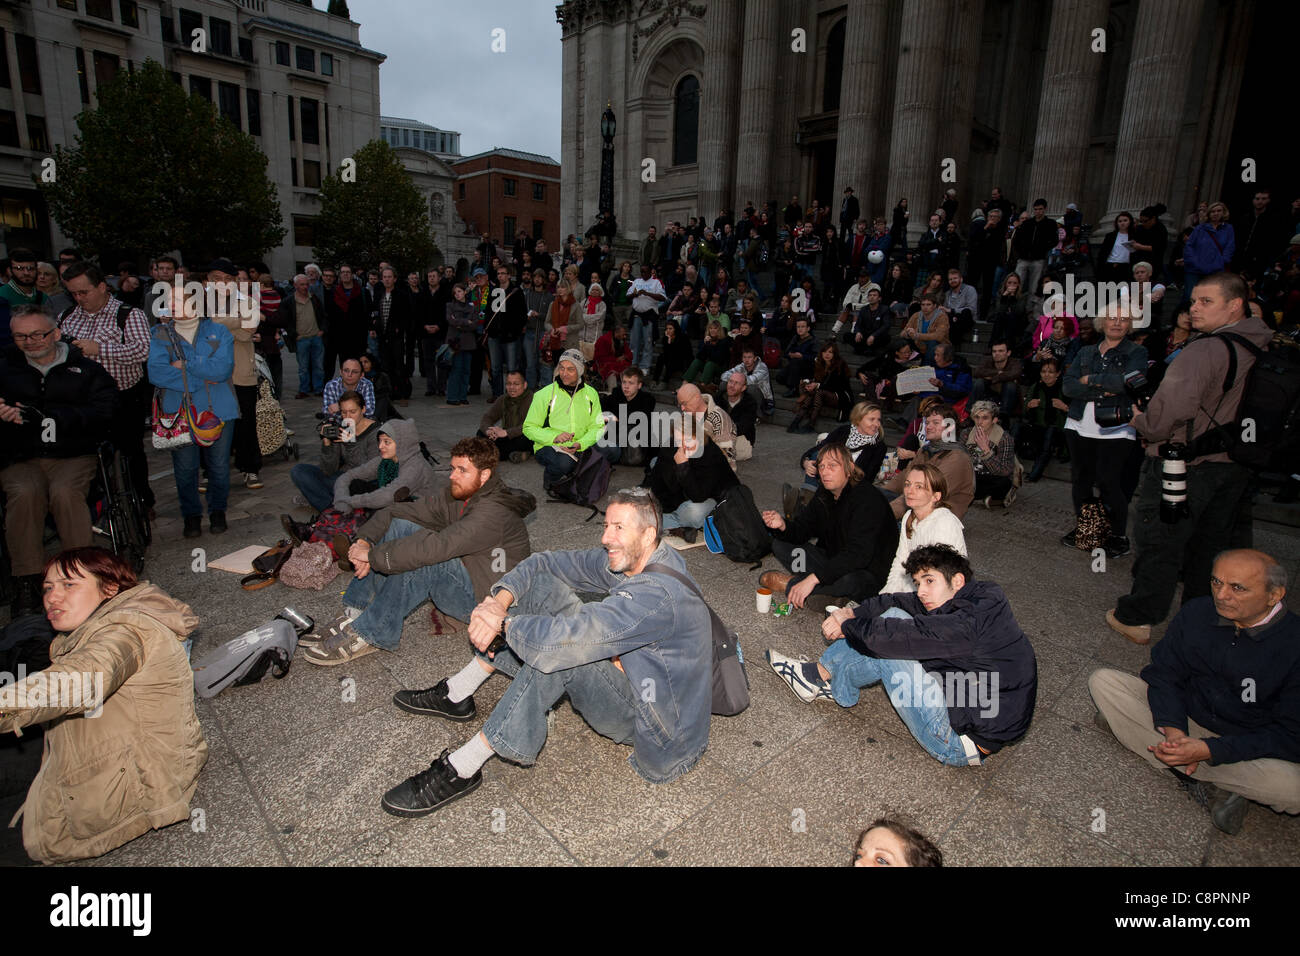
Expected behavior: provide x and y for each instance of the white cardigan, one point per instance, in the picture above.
(941, 527)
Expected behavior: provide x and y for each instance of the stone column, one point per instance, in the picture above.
(570, 165)
(858, 148)
(763, 46)
(718, 116)
(913, 150)
(958, 112)
(1158, 75)
(1066, 106)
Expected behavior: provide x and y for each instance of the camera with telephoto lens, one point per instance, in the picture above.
(1119, 409)
(1173, 482)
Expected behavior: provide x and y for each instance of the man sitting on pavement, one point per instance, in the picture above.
(349, 379)
(855, 531)
(689, 480)
(344, 445)
(712, 419)
(942, 450)
(510, 410)
(564, 420)
(960, 672)
(1219, 704)
(630, 437)
(636, 665)
(757, 380)
(448, 548)
(739, 404)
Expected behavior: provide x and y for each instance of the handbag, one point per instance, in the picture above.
(200, 428)
(169, 431)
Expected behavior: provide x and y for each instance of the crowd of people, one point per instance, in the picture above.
(571, 351)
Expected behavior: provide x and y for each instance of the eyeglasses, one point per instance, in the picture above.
(34, 337)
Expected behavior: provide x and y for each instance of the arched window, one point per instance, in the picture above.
(834, 68)
(686, 120)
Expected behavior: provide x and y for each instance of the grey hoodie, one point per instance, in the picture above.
(413, 472)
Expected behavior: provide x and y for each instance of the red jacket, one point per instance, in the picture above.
(608, 362)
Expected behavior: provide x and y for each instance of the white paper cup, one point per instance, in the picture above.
(763, 600)
(831, 609)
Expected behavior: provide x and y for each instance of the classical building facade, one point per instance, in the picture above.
(295, 78)
(1111, 104)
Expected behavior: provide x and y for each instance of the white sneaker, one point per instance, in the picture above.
(791, 670)
(252, 481)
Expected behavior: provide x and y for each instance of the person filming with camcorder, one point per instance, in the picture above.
(1191, 490)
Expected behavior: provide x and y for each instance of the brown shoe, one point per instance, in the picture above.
(1137, 633)
(775, 580)
(341, 544)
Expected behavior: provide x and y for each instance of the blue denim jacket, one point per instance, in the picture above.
(661, 632)
(1105, 373)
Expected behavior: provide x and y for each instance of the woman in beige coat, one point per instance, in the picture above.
(123, 747)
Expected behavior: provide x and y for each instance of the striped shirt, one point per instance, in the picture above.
(122, 352)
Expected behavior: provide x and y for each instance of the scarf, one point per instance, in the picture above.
(592, 302)
(387, 471)
(859, 439)
(343, 296)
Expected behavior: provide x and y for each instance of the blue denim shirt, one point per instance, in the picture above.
(661, 632)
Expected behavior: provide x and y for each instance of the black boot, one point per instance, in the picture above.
(193, 526)
(27, 596)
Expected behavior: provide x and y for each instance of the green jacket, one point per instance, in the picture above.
(554, 412)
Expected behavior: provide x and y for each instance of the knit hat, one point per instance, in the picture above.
(574, 356)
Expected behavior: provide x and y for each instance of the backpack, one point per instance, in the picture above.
(123, 313)
(586, 484)
(735, 528)
(730, 682)
(246, 659)
(772, 353)
(1270, 407)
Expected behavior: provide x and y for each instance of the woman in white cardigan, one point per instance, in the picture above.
(927, 521)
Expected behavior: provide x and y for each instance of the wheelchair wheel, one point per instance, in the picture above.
(128, 526)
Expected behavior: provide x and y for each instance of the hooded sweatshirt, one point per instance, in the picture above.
(105, 781)
(413, 472)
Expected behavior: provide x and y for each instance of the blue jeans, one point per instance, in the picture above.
(641, 338)
(752, 279)
(505, 358)
(216, 462)
(916, 694)
(311, 367)
(315, 485)
(1006, 402)
(530, 359)
(386, 600)
(600, 692)
(458, 381)
(556, 463)
(690, 514)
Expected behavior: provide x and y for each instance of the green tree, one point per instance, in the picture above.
(154, 168)
(373, 212)
(339, 8)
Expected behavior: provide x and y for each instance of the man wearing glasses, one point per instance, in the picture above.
(55, 405)
(19, 290)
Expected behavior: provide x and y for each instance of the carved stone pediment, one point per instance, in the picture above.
(670, 12)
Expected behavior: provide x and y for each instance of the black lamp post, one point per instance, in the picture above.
(607, 129)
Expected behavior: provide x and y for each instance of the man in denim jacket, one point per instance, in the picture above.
(637, 665)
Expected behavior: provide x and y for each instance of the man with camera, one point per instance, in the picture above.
(348, 439)
(1172, 535)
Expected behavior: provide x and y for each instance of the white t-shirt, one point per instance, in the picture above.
(1087, 426)
(941, 526)
(1119, 252)
(644, 303)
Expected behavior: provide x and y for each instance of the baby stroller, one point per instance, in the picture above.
(273, 435)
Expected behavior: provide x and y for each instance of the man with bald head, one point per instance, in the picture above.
(712, 419)
(1219, 704)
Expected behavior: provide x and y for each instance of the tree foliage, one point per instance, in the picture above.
(373, 212)
(154, 169)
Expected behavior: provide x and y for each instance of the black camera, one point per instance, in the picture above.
(1119, 409)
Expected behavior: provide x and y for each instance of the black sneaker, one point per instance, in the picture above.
(193, 526)
(217, 522)
(1227, 809)
(1117, 547)
(297, 531)
(1069, 540)
(429, 790)
(434, 703)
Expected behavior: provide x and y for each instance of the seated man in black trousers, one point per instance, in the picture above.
(510, 410)
(856, 534)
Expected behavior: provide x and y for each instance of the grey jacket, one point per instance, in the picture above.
(413, 472)
(660, 630)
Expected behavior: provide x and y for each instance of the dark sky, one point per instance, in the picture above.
(441, 69)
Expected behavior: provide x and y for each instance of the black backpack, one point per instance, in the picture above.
(1269, 410)
(123, 313)
(586, 484)
(736, 529)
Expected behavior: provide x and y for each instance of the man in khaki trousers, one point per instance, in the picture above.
(1219, 704)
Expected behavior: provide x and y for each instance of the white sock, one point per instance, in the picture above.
(465, 681)
(835, 329)
(470, 758)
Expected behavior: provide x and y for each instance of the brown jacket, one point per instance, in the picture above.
(245, 361)
(487, 533)
(938, 327)
(952, 460)
(1192, 389)
(106, 779)
(510, 412)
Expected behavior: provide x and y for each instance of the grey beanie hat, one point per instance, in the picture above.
(574, 356)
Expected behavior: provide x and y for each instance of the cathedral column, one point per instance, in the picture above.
(718, 115)
(763, 45)
(858, 148)
(1066, 105)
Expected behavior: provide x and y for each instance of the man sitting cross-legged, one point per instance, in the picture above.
(960, 671)
(637, 665)
(1219, 704)
(448, 548)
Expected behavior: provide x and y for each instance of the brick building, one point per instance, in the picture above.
(501, 191)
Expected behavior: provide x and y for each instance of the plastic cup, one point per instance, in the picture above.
(763, 600)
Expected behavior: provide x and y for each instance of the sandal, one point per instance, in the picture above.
(266, 567)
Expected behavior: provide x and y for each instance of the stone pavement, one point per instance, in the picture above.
(297, 766)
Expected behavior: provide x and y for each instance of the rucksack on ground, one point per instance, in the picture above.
(246, 659)
(1269, 413)
(772, 353)
(735, 528)
(586, 484)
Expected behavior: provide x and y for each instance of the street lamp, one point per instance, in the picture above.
(607, 128)
(608, 125)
